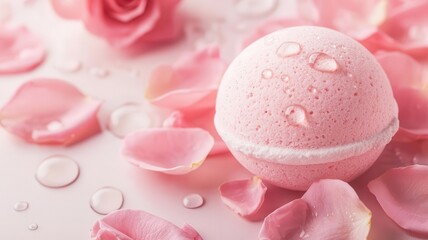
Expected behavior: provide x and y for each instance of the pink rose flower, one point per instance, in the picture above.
(125, 23)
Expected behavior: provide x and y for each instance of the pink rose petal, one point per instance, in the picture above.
(48, 111)
(360, 19)
(413, 153)
(139, 225)
(271, 26)
(330, 209)
(69, 9)
(168, 150)
(188, 82)
(20, 50)
(244, 197)
(408, 87)
(402, 193)
(201, 119)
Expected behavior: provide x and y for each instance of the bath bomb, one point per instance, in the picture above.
(303, 104)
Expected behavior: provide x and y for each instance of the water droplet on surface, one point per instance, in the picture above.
(69, 65)
(312, 89)
(128, 118)
(267, 74)
(106, 200)
(296, 115)
(55, 126)
(285, 78)
(98, 72)
(33, 227)
(323, 62)
(255, 8)
(20, 206)
(288, 49)
(57, 171)
(193, 200)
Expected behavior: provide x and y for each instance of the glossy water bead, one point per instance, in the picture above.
(305, 103)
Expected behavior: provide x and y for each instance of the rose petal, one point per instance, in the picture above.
(333, 211)
(402, 194)
(271, 26)
(48, 111)
(393, 64)
(244, 197)
(201, 119)
(413, 152)
(168, 150)
(360, 19)
(139, 225)
(185, 84)
(69, 9)
(406, 30)
(20, 50)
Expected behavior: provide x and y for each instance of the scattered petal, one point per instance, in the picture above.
(402, 194)
(200, 119)
(412, 153)
(20, 50)
(360, 19)
(69, 9)
(330, 209)
(48, 111)
(139, 225)
(244, 197)
(189, 81)
(409, 92)
(168, 150)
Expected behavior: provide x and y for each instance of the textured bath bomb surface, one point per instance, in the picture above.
(305, 103)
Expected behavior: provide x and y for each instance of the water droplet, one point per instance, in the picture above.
(55, 126)
(267, 74)
(69, 65)
(20, 206)
(128, 118)
(350, 75)
(322, 62)
(296, 115)
(57, 171)
(255, 8)
(312, 89)
(285, 78)
(98, 72)
(288, 49)
(33, 227)
(106, 200)
(193, 201)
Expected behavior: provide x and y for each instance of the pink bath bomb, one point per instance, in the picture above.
(303, 104)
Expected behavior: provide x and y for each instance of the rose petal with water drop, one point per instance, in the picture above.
(330, 209)
(135, 224)
(169, 150)
(198, 119)
(415, 152)
(49, 111)
(188, 82)
(245, 197)
(69, 9)
(402, 194)
(20, 50)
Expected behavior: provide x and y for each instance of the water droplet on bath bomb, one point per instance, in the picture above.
(33, 227)
(267, 74)
(312, 89)
(128, 118)
(285, 78)
(296, 115)
(98, 72)
(288, 49)
(69, 65)
(323, 62)
(106, 200)
(254, 8)
(55, 126)
(20, 206)
(193, 200)
(57, 171)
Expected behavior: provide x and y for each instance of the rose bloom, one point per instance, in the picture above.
(124, 23)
